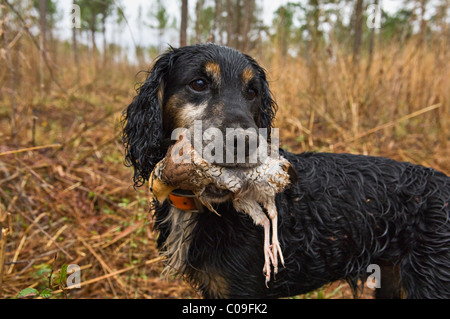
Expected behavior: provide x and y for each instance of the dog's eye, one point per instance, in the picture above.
(198, 85)
(251, 93)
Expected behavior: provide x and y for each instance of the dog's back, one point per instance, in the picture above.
(353, 211)
(346, 212)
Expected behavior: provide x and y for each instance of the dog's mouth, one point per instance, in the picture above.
(215, 194)
(238, 165)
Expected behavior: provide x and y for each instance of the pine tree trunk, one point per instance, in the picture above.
(198, 12)
(94, 46)
(229, 22)
(249, 7)
(371, 44)
(358, 30)
(74, 43)
(237, 43)
(183, 27)
(217, 23)
(42, 42)
(105, 45)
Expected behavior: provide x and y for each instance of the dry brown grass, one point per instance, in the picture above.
(399, 108)
(75, 199)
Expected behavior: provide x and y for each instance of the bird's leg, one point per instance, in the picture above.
(268, 255)
(276, 249)
(252, 208)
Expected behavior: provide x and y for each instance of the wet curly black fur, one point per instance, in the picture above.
(143, 136)
(344, 213)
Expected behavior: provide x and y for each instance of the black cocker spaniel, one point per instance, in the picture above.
(344, 216)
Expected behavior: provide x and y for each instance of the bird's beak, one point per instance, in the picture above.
(159, 189)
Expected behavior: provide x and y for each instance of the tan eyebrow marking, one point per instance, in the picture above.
(213, 70)
(247, 75)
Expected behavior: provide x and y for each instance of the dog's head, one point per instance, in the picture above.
(204, 86)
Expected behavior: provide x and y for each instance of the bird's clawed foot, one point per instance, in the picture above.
(268, 255)
(271, 252)
(276, 250)
(268, 258)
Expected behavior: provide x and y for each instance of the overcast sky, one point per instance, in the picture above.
(145, 36)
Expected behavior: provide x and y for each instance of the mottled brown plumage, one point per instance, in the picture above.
(250, 188)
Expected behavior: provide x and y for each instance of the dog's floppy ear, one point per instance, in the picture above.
(142, 123)
(268, 106)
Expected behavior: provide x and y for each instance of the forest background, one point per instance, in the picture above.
(358, 76)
